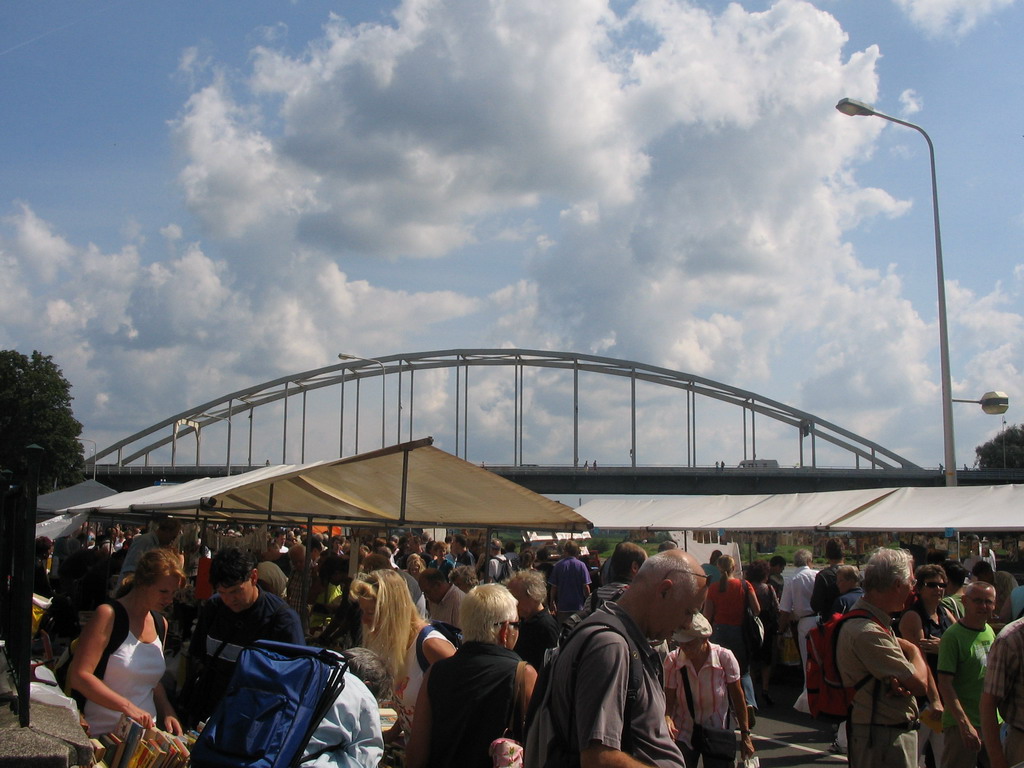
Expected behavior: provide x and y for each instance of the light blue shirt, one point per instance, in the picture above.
(351, 728)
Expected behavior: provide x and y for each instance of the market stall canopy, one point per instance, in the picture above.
(83, 492)
(412, 484)
(971, 508)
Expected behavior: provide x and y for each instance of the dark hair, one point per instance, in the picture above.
(570, 548)
(981, 569)
(527, 558)
(778, 560)
(757, 571)
(834, 549)
(330, 565)
(626, 553)
(929, 571)
(231, 566)
(43, 546)
(956, 575)
(432, 575)
(376, 562)
(713, 560)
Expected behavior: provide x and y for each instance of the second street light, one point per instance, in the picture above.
(860, 109)
(383, 392)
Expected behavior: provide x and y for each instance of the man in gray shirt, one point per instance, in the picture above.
(586, 709)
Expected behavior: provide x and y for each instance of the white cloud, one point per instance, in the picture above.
(669, 184)
(910, 102)
(952, 18)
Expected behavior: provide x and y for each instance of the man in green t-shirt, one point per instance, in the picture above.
(963, 656)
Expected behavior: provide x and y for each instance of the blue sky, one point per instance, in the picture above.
(197, 197)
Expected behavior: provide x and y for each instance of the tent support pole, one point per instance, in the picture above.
(307, 576)
(405, 486)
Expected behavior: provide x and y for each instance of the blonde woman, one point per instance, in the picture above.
(393, 629)
(456, 722)
(415, 565)
(130, 682)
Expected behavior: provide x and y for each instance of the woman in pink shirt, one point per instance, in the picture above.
(707, 677)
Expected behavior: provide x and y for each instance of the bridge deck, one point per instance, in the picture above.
(643, 481)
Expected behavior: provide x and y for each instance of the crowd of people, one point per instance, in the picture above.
(479, 645)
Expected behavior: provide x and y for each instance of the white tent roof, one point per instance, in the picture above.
(89, 490)
(739, 513)
(970, 508)
(413, 484)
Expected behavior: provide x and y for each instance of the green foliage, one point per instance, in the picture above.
(35, 407)
(1004, 450)
(599, 545)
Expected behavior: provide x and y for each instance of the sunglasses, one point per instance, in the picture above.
(935, 584)
(513, 624)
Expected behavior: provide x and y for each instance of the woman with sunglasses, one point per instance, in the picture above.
(923, 624)
(478, 695)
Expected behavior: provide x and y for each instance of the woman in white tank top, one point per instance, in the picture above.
(130, 684)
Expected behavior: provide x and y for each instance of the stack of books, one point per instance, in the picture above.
(130, 745)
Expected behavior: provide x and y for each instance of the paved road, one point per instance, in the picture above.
(785, 738)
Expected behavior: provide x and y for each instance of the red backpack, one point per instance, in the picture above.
(827, 697)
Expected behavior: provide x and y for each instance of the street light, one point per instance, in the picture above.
(860, 109)
(383, 392)
(94, 448)
(992, 403)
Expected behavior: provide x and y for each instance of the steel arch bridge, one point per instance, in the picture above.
(288, 394)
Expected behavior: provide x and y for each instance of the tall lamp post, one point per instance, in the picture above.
(383, 391)
(860, 109)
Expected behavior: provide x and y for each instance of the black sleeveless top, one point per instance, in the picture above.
(933, 629)
(470, 702)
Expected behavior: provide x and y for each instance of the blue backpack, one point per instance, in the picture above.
(277, 696)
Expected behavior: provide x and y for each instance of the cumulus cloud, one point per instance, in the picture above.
(952, 18)
(661, 181)
(148, 336)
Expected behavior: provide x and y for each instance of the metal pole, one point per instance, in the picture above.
(850, 107)
(284, 431)
(632, 418)
(576, 413)
(227, 455)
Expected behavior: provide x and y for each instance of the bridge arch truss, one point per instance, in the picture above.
(237, 409)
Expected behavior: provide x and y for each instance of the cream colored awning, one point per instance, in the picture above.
(412, 484)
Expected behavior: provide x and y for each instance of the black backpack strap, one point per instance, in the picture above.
(117, 636)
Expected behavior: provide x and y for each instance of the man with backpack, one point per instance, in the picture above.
(885, 672)
(499, 567)
(604, 699)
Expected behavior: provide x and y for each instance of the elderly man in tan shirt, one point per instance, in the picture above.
(887, 671)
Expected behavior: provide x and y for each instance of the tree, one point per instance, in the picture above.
(35, 407)
(1004, 450)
